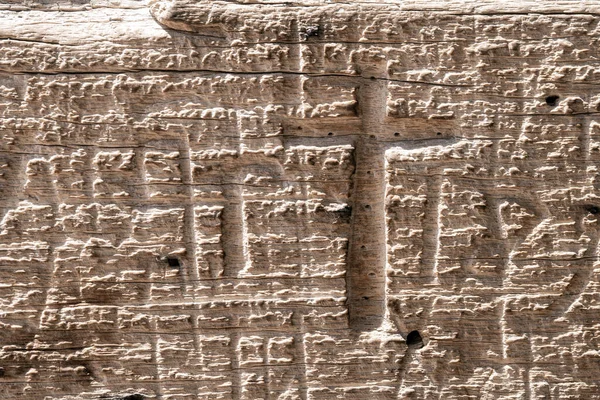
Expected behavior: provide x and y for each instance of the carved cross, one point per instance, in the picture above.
(299, 35)
(159, 184)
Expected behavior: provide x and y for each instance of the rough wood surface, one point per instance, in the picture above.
(299, 200)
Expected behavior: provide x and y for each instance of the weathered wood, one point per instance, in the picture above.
(303, 200)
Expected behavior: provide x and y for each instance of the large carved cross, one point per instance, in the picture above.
(299, 35)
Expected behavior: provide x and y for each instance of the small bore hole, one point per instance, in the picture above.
(173, 262)
(593, 209)
(330, 134)
(414, 339)
(363, 247)
(551, 100)
(372, 274)
(368, 207)
(369, 172)
(396, 133)
(136, 396)
(365, 298)
(439, 133)
(372, 78)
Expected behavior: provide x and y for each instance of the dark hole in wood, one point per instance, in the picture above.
(368, 207)
(135, 396)
(396, 133)
(330, 134)
(312, 31)
(592, 209)
(439, 133)
(365, 298)
(173, 262)
(345, 211)
(551, 100)
(372, 78)
(363, 247)
(414, 339)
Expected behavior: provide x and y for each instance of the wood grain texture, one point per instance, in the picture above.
(299, 200)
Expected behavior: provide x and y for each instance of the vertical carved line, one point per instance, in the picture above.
(189, 223)
(432, 225)
(301, 362)
(155, 360)
(189, 271)
(236, 373)
(234, 232)
(386, 323)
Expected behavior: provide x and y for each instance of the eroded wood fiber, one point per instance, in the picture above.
(315, 200)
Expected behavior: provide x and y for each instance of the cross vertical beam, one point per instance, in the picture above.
(367, 253)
